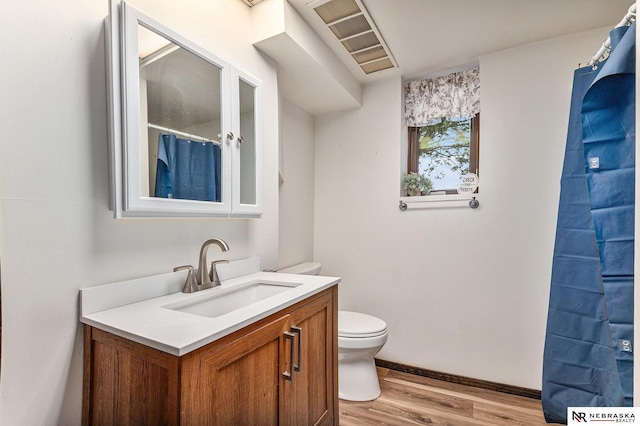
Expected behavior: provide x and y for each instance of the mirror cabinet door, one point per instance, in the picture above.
(247, 160)
(175, 107)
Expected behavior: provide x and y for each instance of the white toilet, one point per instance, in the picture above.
(360, 338)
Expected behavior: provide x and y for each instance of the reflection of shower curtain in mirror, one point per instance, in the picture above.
(187, 170)
(588, 359)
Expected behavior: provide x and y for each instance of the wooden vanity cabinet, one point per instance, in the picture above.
(249, 377)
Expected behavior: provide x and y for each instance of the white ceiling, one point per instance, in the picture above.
(430, 37)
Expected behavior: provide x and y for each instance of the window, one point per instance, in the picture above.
(443, 147)
(444, 151)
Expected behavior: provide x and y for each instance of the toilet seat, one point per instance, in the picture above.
(357, 325)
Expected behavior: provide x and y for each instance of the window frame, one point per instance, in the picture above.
(413, 151)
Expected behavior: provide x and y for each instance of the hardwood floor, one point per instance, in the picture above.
(408, 399)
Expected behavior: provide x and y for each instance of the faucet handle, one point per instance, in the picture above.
(190, 285)
(213, 272)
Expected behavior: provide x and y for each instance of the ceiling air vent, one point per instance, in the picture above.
(351, 24)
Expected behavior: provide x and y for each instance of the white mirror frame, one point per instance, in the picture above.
(124, 123)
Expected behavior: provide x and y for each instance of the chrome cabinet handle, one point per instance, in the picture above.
(240, 140)
(297, 330)
(287, 375)
(230, 136)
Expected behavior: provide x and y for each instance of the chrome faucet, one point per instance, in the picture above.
(203, 278)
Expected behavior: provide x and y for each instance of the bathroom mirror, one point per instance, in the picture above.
(179, 95)
(185, 125)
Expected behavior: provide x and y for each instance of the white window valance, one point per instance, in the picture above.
(455, 95)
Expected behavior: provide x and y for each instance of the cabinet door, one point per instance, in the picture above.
(237, 383)
(127, 383)
(246, 95)
(310, 398)
(171, 86)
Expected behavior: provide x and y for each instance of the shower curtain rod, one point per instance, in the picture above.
(606, 46)
(179, 133)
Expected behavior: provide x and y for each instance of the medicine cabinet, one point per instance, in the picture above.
(185, 125)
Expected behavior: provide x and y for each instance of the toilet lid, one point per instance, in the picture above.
(356, 324)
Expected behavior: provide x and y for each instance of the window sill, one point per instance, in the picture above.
(439, 201)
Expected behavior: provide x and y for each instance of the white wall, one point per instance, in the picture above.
(297, 187)
(463, 291)
(57, 233)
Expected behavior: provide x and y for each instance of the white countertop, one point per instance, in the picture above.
(136, 309)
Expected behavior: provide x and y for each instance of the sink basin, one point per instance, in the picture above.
(219, 300)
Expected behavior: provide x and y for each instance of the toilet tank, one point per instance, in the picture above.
(306, 268)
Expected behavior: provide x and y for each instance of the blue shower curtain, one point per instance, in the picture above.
(587, 356)
(188, 170)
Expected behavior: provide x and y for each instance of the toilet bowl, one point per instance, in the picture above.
(360, 338)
